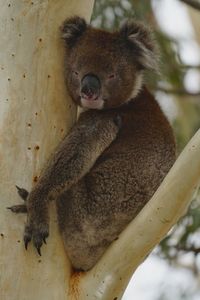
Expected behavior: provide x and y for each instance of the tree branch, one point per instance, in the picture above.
(190, 67)
(195, 250)
(180, 92)
(193, 3)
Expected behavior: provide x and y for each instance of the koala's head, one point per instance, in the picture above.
(104, 69)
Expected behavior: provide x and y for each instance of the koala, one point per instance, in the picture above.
(118, 152)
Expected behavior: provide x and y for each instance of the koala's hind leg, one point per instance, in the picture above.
(79, 228)
(21, 208)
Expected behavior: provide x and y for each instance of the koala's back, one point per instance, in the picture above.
(122, 180)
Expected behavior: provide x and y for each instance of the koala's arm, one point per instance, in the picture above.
(74, 157)
(78, 152)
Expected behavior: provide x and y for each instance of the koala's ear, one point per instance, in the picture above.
(72, 29)
(140, 37)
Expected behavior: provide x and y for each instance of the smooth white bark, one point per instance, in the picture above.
(35, 112)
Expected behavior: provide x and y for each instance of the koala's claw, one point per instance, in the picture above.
(22, 193)
(26, 242)
(22, 207)
(18, 208)
(27, 236)
(37, 234)
(38, 250)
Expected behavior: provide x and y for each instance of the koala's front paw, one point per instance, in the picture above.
(37, 232)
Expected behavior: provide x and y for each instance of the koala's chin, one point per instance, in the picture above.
(92, 104)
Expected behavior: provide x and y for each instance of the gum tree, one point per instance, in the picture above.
(35, 113)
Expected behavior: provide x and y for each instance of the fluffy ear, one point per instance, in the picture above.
(72, 29)
(140, 37)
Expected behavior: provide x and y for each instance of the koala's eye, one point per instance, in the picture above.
(111, 76)
(75, 73)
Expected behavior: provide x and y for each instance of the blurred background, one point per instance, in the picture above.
(172, 271)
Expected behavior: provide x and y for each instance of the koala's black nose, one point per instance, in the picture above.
(90, 87)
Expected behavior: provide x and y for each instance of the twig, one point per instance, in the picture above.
(193, 3)
(181, 92)
(189, 249)
(190, 67)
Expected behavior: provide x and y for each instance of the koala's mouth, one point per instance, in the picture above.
(94, 103)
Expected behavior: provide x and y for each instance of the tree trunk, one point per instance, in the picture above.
(35, 113)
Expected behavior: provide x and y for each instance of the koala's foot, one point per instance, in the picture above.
(21, 208)
(37, 227)
(38, 232)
